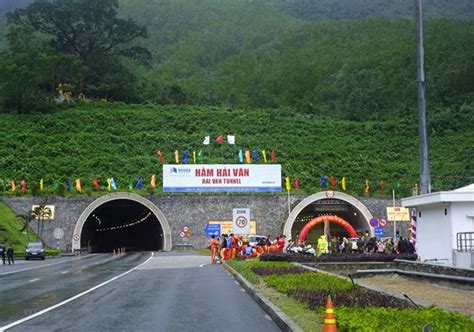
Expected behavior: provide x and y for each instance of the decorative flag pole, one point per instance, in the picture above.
(206, 141)
(219, 140)
(288, 187)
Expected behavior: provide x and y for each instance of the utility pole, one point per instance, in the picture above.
(425, 176)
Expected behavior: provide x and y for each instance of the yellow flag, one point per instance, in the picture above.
(264, 156)
(343, 183)
(78, 185)
(109, 188)
(367, 187)
(288, 185)
(41, 184)
(13, 186)
(176, 156)
(153, 181)
(194, 156)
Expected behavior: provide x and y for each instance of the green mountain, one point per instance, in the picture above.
(121, 141)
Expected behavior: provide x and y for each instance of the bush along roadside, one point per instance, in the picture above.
(357, 308)
(375, 257)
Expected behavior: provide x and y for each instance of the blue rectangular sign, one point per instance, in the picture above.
(213, 229)
(378, 231)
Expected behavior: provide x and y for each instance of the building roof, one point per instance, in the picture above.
(464, 194)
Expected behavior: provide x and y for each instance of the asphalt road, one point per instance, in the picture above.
(166, 292)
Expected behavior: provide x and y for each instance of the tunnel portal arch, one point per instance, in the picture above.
(159, 216)
(361, 218)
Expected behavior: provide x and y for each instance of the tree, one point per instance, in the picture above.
(41, 213)
(27, 218)
(90, 30)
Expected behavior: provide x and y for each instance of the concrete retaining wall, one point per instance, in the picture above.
(270, 212)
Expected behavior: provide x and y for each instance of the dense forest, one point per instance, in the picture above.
(330, 85)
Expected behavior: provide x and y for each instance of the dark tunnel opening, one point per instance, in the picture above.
(122, 223)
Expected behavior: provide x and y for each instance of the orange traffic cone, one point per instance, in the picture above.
(329, 318)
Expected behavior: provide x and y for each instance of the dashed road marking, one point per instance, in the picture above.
(65, 272)
(33, 280)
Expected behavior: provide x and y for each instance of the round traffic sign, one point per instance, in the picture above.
(383, 222)
(241, 221)
(185, 228)
(58, 233)
(76, 237)
(374, 222)
(182, 234)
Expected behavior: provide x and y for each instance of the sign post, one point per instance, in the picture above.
(241, 221)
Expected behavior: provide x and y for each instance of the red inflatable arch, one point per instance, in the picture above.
(337, 220)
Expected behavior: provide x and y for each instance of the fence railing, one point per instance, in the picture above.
(465, 241)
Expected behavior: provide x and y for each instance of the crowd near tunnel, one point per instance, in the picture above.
(122, 223)
(319, 207)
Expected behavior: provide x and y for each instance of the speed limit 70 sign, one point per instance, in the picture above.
(241, 221)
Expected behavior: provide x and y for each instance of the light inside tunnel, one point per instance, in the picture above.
(122, 223)
(334, 207)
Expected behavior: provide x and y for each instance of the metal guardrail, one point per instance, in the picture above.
(465, 241)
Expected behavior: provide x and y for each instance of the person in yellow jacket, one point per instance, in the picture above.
(322, 245)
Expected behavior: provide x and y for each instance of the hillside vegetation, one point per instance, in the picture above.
(257, 54)
(121, 141)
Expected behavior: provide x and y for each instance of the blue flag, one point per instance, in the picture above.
(323, 181)
(255, 155)
(140, 183)
(185, 157)
(68, 189)
(241, 156)
(112, 184)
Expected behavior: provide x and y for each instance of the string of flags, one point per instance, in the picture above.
(111, 184)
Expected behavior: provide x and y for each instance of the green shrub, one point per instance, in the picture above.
(307, 281)
(390, 319)
(244, 267)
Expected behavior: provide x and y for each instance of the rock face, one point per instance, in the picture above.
(194, 211)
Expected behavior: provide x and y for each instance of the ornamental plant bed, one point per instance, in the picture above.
(266, 271)
(356, 297)
(369, 257)
(308, 281)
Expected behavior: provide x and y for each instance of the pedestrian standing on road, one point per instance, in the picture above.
(10, 255)
(223, 247)
(214, 244)
(2, 253)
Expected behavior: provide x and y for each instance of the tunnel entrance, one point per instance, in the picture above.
(328, 204)
(122, 223)
(122, 220)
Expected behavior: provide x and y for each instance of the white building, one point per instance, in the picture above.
(445, 226)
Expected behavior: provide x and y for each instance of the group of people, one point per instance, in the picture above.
(232, 246)
(8, 253)
(367, 244)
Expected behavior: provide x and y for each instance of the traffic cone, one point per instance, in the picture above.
(329, 318)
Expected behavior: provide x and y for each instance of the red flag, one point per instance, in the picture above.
(220, 139)
(160, 154)
(297, 183)
(273, 155)
(382, 186)
(95, 182)
(23, 186)
(333, 181)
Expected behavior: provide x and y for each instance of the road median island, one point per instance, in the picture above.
(302, 296)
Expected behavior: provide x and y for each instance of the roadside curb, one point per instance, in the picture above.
(284, 322)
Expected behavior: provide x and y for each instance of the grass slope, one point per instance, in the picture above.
(120, 141)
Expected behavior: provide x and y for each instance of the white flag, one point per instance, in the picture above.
(206, 141)
(231, 139)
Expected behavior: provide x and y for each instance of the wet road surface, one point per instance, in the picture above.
(166, 292)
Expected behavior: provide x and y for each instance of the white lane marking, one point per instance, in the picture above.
(242, 290)
(37, 267)
(65, 272)
(268, 317)
(33, 280)
(39, 313)
(84, 267)
(235, 282)
(202, 265)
